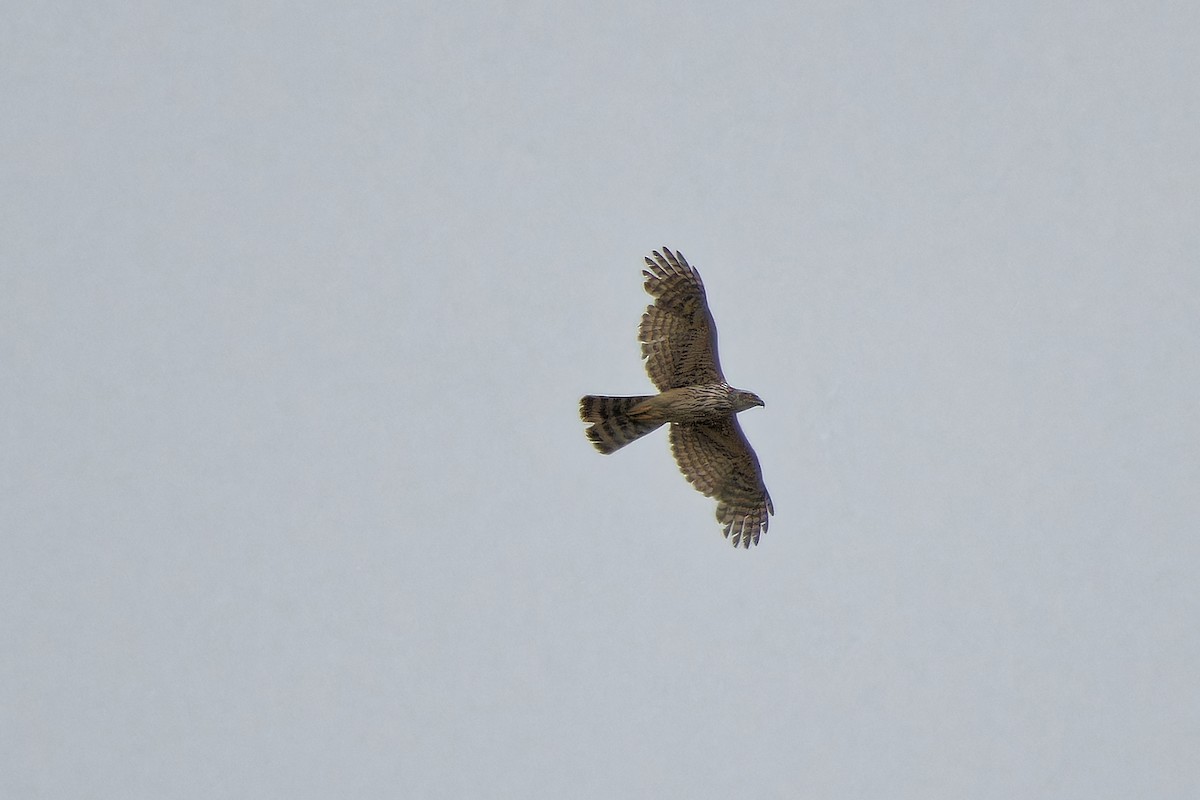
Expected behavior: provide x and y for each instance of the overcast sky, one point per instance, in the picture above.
(297, 302)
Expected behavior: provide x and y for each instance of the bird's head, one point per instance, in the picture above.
(743, 400)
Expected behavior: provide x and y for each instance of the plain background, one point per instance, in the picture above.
(297, 302)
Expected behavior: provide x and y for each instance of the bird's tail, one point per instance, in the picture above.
(612, 427)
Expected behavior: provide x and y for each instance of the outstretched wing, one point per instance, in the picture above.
(679, 339)
(716, 458)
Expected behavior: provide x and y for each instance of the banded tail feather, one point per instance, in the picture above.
(612, 427)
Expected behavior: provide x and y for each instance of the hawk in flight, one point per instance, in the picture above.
(679, 344)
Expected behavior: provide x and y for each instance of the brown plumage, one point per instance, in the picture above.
(679, 344)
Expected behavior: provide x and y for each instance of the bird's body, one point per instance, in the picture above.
(679, 343)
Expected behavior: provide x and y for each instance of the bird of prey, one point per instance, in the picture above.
(679, 345)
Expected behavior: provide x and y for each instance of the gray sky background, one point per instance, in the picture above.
(297, 302)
